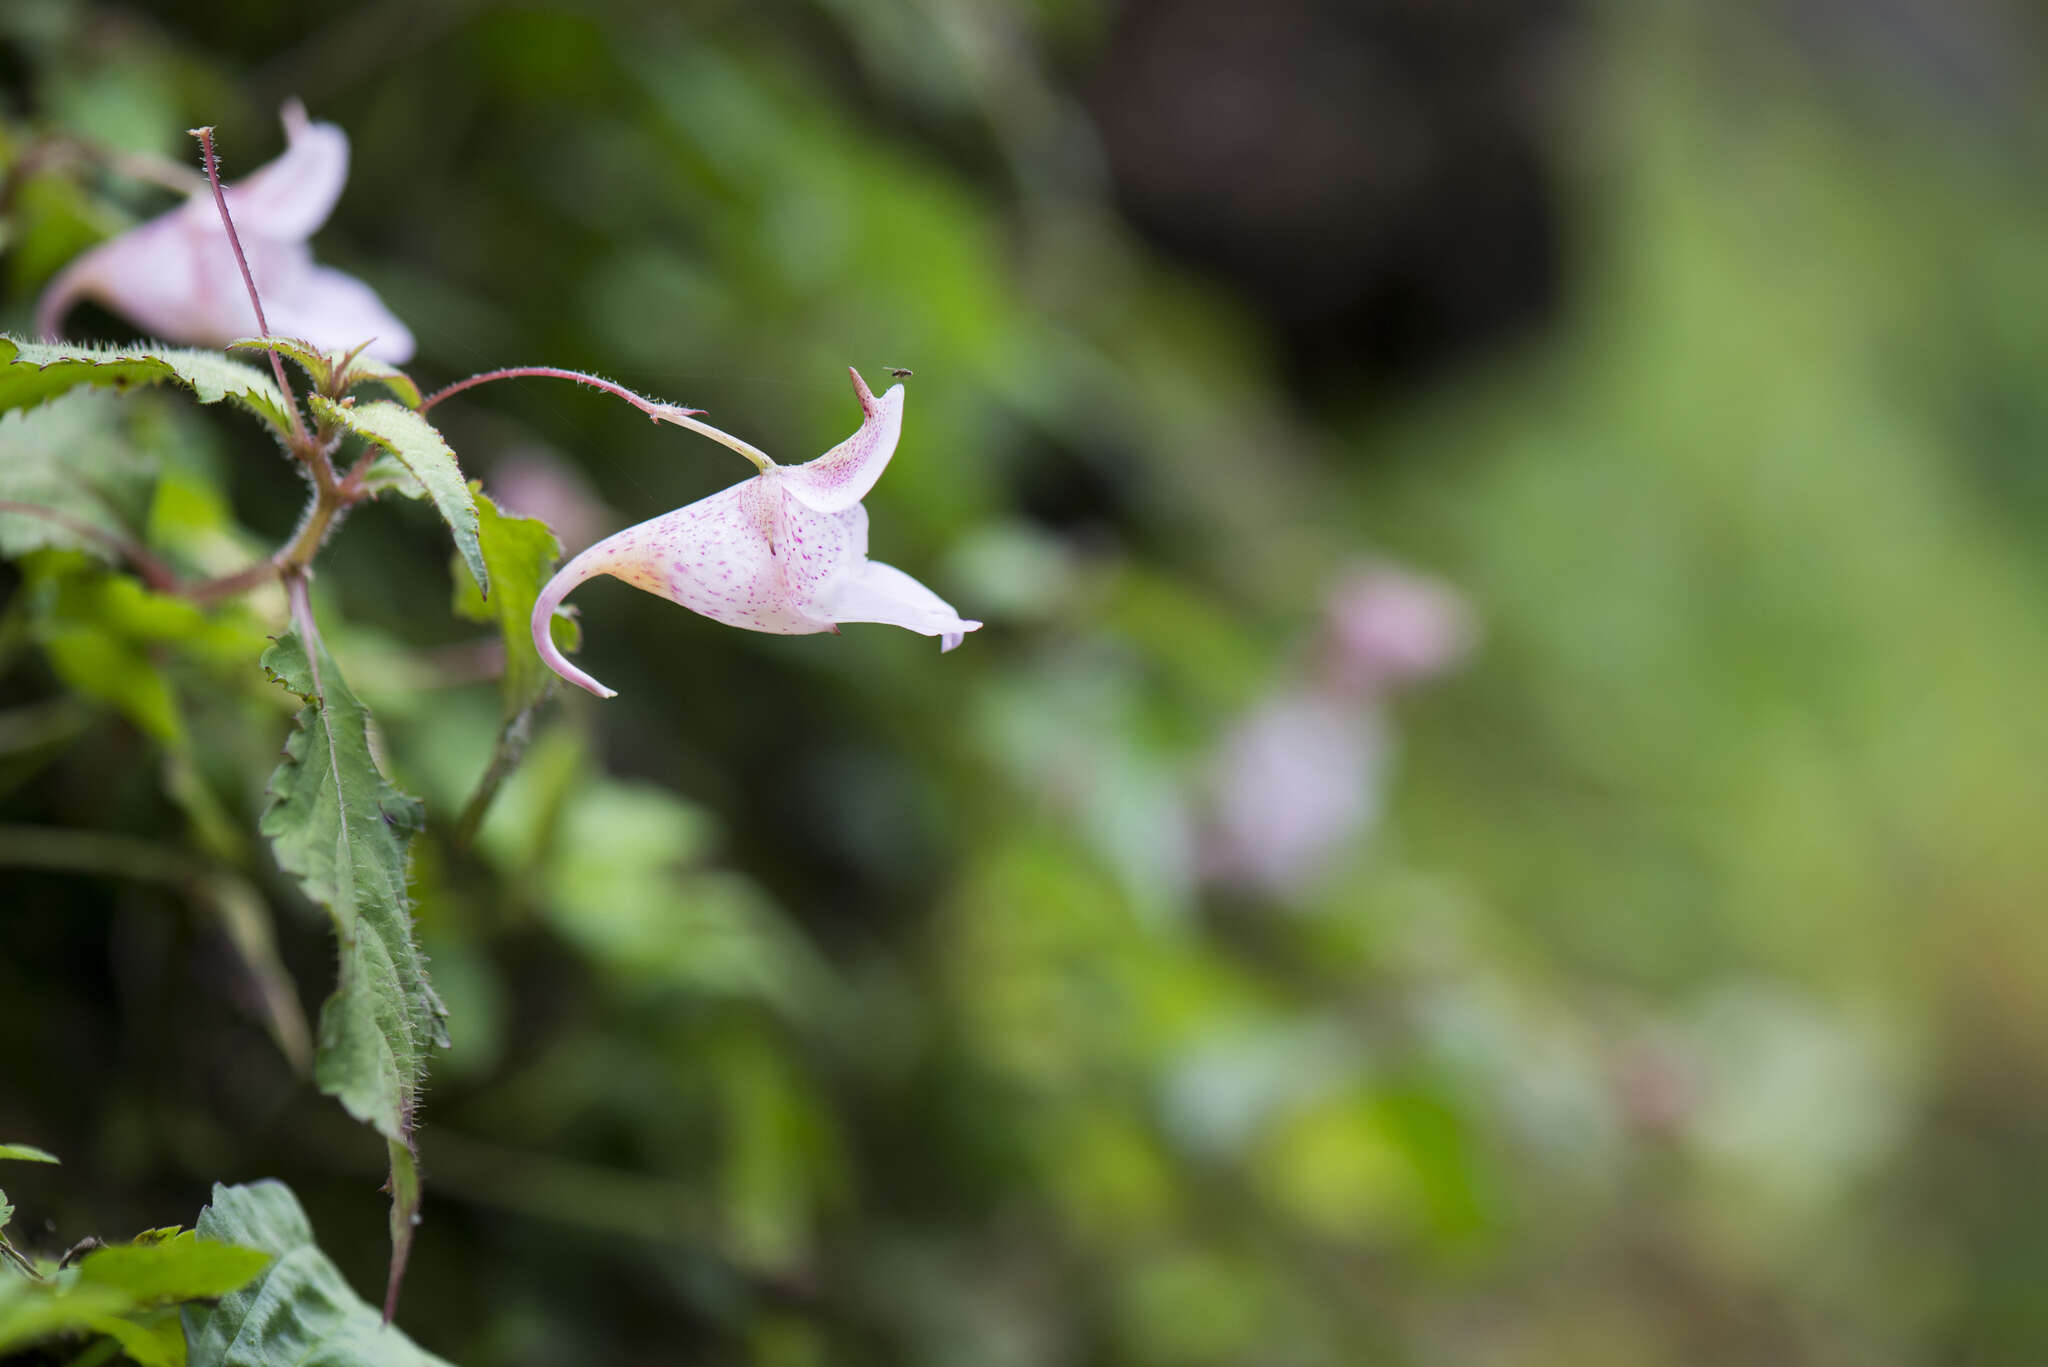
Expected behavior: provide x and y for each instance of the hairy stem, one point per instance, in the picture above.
(220, 201)
(659, 412)
(297, 586)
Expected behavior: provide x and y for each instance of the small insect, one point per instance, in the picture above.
(900, 372)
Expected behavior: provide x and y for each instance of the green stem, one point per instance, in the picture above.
(18, 1258)
(67, 850)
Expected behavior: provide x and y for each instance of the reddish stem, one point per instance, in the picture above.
(154, 572)
(228, 585)
(654, 410)
(220, 201)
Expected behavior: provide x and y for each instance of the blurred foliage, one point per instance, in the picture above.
(822, 1000)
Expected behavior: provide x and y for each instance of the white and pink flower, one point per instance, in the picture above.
(784, 552)
(176, 277)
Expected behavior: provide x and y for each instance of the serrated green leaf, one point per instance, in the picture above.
(417, 446)
(317, 364)
(181, 1268)
(301, 1310)
(75, 459)
(319, 367)
(33, 372)
(369, 370)
(386, 475)
(340, 827)
(27, 1153)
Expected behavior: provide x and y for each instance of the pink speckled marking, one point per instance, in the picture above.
(784, 552)
(842, 476)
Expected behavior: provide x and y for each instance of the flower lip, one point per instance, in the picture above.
(783, 552)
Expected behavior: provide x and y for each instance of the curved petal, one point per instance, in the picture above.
(333, 309)
(713, 557)
(289, 198)
(582, 567)
(842, 476)
(150, 274)
(816, 549)
(871, 591)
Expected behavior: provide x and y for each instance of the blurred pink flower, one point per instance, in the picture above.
(784, 552)
(534, 482)
(1384, 625)
(1301, 776)
(1294, 781)
(176, 275)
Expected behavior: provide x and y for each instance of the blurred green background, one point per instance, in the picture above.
(1684, 997)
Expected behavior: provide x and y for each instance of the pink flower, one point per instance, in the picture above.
(176, 276)
(1386, 626)
(1303, 775)
(785, 552)
(1295, 781)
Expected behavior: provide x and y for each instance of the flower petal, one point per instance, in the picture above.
(813, 550)
(871, 591)
(712, 557)
(289, 198)
(842, 476)
(333, 309)
(151, 274)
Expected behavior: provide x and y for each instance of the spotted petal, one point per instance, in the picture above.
(814, 550)
(842, 476)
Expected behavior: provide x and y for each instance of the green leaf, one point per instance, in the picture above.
(369, 370)
(418, 447)
(317, 364)
(341, 829)
(117, 1291)
(520, 553)
(26, 1153)
(152, 1339)
(320, 367)
(33, 372)
(300, 1310)
(387, 475)
(180, 1268)
(103, 633)
(74, 459)
(31, 1311)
